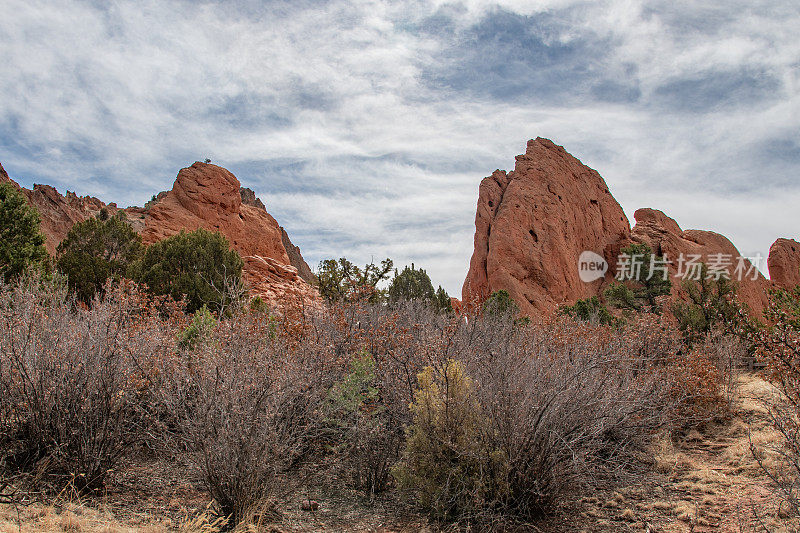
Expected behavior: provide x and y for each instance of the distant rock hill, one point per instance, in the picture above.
(203, 196)
(533, 223)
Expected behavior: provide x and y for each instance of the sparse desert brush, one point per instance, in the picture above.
(779, 344)
(400, 340)
(508, 416)
(75, 381)
(246, 407)
(563, 404)
(358, 427)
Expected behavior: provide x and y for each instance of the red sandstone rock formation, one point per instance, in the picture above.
(210, 197)
(532, 225)
(203, 196)
(295, 257)
(784, 263)
(59, 213)
(666, 238)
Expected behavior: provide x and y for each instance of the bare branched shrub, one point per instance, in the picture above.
(246, 408)
(779, 345)
(507, 416)
(704, 379)
(73, 380)
(356, 426)
(399, 341)
(565, 404)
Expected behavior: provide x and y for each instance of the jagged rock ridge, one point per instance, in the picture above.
(59, 213)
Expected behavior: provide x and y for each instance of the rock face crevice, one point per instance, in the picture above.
(296, 258)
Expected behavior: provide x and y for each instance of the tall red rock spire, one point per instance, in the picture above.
(533, 223)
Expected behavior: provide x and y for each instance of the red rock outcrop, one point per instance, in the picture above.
(665, 237)
(210, 197)
(59, 213)
(533, 223)
(203, 196)
(295, 257)
(784, 263)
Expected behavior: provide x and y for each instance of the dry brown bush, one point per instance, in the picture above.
(400, 340)
(73, 381)
(566, 404)
(245, 404)
(704, 380)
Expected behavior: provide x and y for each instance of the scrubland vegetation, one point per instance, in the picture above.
(487, 422)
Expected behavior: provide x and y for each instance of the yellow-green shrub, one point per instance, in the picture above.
(449, 463)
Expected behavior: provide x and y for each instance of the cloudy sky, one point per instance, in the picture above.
(366, 126)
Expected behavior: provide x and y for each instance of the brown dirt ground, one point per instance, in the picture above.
(706, 481)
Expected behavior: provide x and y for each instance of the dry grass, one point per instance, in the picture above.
(74, 518)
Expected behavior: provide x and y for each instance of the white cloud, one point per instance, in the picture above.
(112, 99)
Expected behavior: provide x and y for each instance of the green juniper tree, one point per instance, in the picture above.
(21, 240)
(589, 310)
(649, 281)
(415, 284)
(711, 303)
(500, 303)
(411, 284)
(441, 301)
(341, 280)
(198, 265)
(96, 250)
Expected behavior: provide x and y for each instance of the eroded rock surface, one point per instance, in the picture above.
(665, 237)
(784, 263)
(533, 223)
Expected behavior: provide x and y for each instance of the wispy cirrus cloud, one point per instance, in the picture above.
(367, 126)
